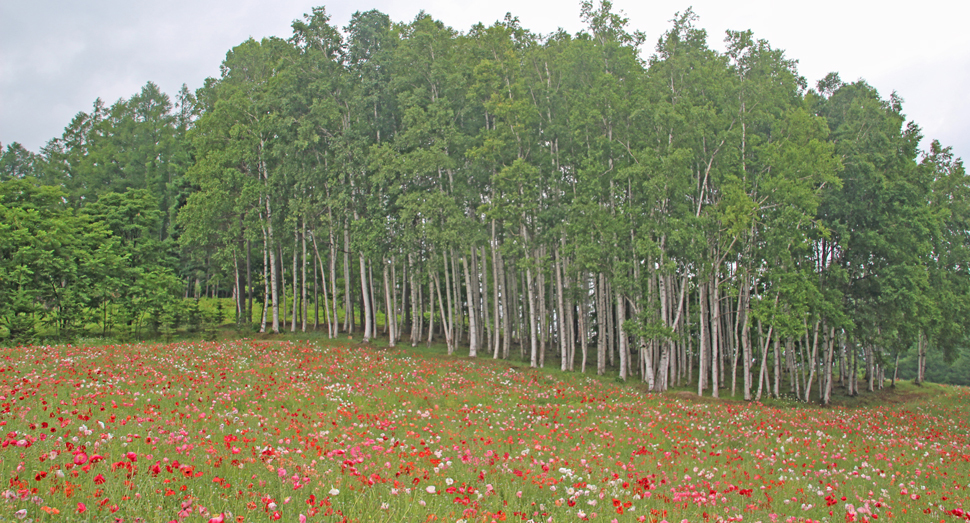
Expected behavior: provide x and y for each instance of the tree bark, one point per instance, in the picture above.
(445, 319)
(560, 312)
(746, 338)
(389, 316)
(296, 283)
(331, 330)
(348, 297)
(702, 342)
(364, 297)
(249, 283)
(829, 351)
(415, 306)
(486, 325)
(472, 312)
(601, 325)
(715, 339)
(583, 314)
(272, 267)
(813, 358)
(623, 349)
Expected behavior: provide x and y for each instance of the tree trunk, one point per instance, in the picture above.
(497, 280)
(508, 305)
(282, 269)
(451, 330)
(445, 319)
(829, 351)
(611, 327)
(622, 339)
(364, 298)
(272, 267)
(316, 292)
(486, 325)
(763, 368)
(746, 338)
(388, 317)
(920, 359)
(394, 310)
(237, 294)
(601, 334)
(415, 306)
(432, 285)
(348, 297)
(495, 326)
(533, 334)
(331, 325)
(690, 338)
(813, 358)
(560, 312)
(895, 371)
(715, 339)
(333, 276)
(570, 319)
(472, 312)
(543, 314)
(249, 283)
(778, 356)
(458, 326)
(583, 313)
(373, 299)
(303, 299)
(296, 283)
(266, 291)
(702, 342)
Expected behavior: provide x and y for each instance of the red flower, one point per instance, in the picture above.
(99, 480)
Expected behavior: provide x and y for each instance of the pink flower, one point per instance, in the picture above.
(81, 507)
(80, 458)
(218, 519)
(131, 456)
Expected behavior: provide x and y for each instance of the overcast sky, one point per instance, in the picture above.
(57, 57)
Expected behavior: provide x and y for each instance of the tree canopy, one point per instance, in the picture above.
(688, 212)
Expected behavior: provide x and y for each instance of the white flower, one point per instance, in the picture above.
(430, 489)
(334, 491)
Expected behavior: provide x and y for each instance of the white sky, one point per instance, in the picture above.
(56, 57)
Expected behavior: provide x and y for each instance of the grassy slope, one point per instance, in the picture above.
(322, 417)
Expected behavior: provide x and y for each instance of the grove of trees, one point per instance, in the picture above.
(680, 215)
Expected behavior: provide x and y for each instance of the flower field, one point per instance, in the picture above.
(265, 431)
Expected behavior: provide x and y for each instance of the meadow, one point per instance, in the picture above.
(258, 430)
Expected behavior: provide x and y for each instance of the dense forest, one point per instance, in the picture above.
(676, 216)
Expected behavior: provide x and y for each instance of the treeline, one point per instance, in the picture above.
(690, 217)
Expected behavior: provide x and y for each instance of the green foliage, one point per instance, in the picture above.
(564, 152)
